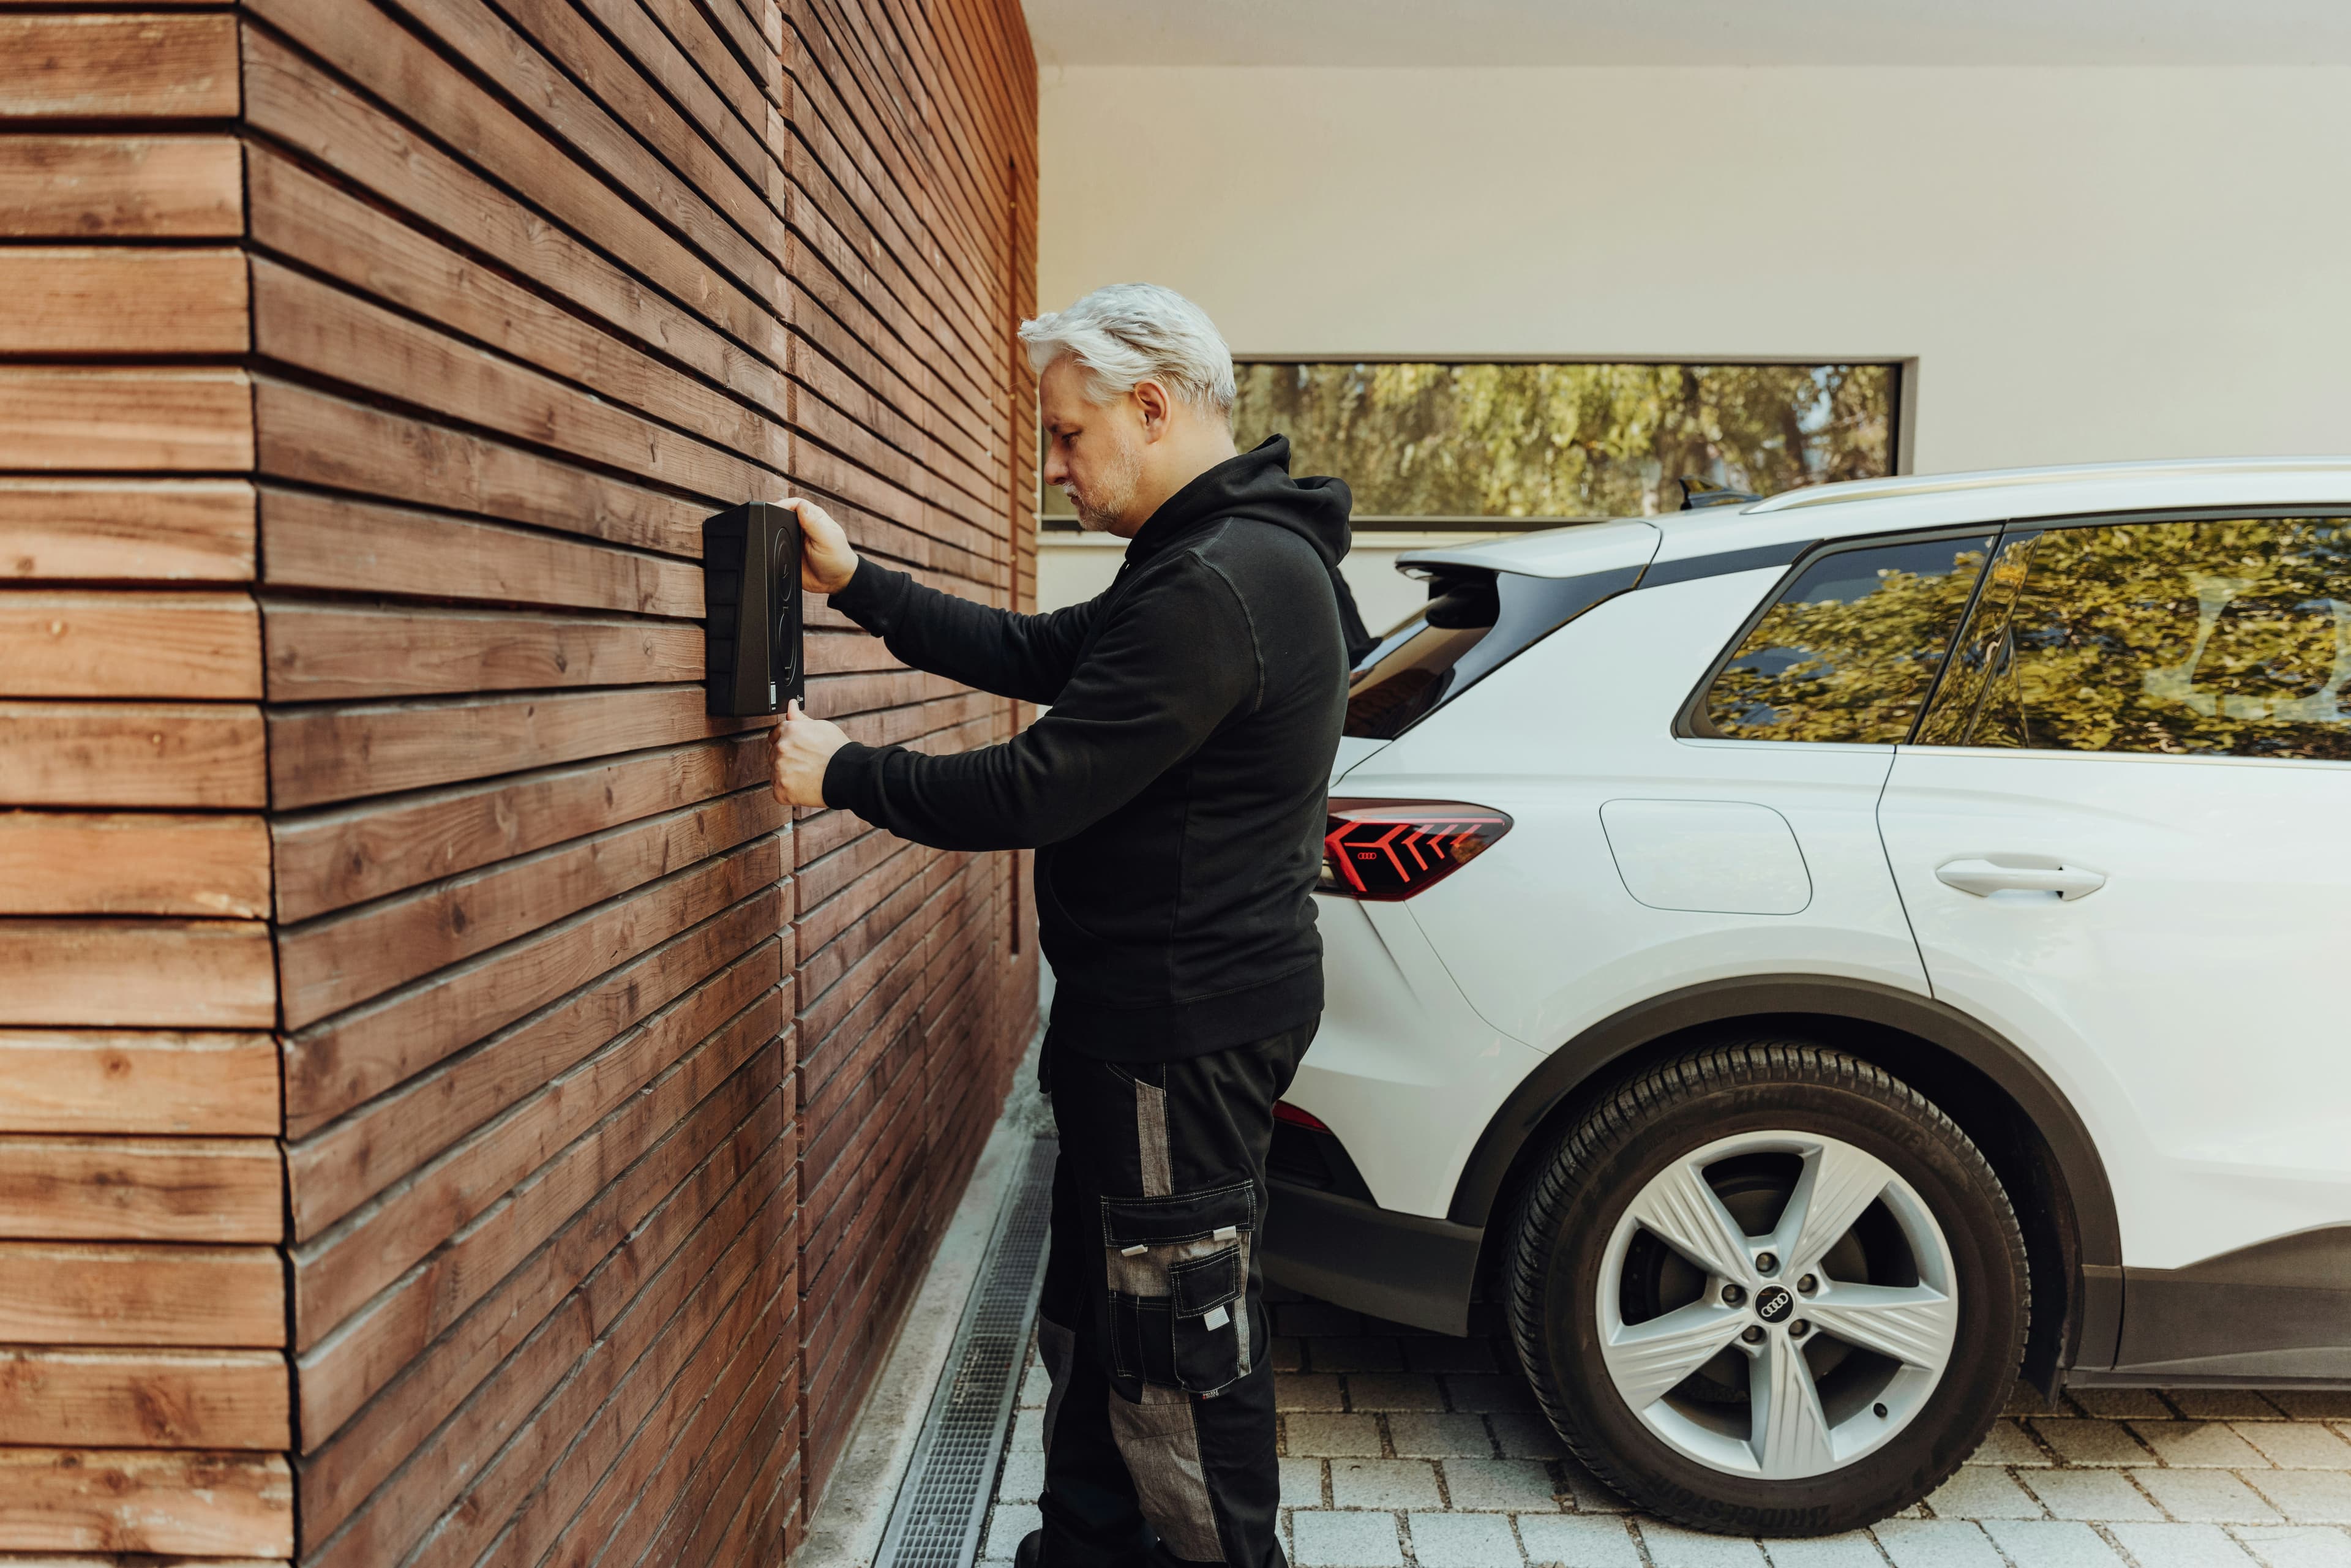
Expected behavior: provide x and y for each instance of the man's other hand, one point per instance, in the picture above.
(798, 751)
(827, 562)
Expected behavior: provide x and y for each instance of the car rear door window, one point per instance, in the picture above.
(2188, 638)
(1850, 649)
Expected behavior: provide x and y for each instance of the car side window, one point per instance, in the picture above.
(1849, 650)
(2226, 638)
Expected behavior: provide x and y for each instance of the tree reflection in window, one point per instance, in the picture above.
(2229, 638)
(1850, 651)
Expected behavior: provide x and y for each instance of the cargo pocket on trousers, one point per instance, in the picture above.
(1177, 1267)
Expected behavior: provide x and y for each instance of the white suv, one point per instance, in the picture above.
(1803, 964)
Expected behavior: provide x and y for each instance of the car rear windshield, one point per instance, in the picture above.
(1474, 622)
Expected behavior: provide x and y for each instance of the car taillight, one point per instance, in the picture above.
(1283, 1111)
(1387, 850)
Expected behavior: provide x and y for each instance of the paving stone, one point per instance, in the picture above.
(2023, 1399)
(1577, 1541)
(1028, 1431)
(1524, 1436)
(2307, 1496)
(1671, 1546)
(2089, 1494)
(1353, 1354)
(1589, 1493)
(1034, 1387)
(2210, 1496)
(1319, 1539)
(1308, 1391)
(1286, 1354)
(1462, 1540)
(2298, 1445)
(1383, 1483)
(1490, 1393)
(1023, 1479)
(1448, 1355)
(2296, 1546)
(1006, 1524)
(1301, 1483)
(2008, 1444)
(2080, 1441)
(2181, 1546)
(1937, 1544)
(1321, 1435)
(1513, 1484)
(2052, 1543)
(2120, 1404)
(1393, 1391)
(1852, 1549)
(1981, 1491)
(2199, 1444)
(2223, 1404)
(2314, 1403)
(1315, 1318)
(1431, 1435)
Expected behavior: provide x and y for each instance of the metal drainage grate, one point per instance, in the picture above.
(944, 1501)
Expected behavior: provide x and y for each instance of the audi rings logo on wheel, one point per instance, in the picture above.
(1774, 1302)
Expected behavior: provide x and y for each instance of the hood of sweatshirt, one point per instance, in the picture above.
(1257, 485)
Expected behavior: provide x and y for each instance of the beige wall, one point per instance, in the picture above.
(2085, 263)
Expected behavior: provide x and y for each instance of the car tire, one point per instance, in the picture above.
(1886, 1351)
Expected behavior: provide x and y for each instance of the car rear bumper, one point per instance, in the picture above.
(1400, 1267)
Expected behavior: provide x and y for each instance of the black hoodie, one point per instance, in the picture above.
(1174, 791)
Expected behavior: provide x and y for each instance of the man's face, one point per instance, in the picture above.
(1092, 451)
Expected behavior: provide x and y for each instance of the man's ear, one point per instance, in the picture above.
(1154, 403)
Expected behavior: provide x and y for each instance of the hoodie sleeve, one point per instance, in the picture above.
(1013, 656)
(1176, 660)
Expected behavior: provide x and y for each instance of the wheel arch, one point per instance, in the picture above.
(2035, 1141)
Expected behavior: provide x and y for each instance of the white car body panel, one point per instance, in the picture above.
(2191, 1007)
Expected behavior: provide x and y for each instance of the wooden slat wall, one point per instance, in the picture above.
(448, 1112)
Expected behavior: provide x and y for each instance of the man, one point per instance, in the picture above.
(1174, 795)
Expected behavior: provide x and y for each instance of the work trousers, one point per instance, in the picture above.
(1159, 1429)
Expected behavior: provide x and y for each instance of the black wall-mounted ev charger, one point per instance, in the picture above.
(751, 608)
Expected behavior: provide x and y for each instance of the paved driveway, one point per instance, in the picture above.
(1404, 1447)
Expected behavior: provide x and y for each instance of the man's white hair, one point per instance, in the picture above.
(1128, 333)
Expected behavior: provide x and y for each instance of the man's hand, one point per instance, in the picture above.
(799, 748)
(827, 562)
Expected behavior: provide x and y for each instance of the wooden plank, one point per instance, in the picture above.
(357, 1055)
(351, 1159)
(325, 330)
(119, 67)
(310, 437)
(120, 187)
(97, 755)
(332, 859)
(135, 974)
(146, 1398)
(88, 299)
(334, 754)
(141, 1190)
(112, 1081)
(717, 1026)
(98, 1500)
(320, 653)
(60, 644)
(107, 1294)
(321, 541)
(425, 1354)
(337, 962)
(94, 863)
(197, 421)
(128, 530)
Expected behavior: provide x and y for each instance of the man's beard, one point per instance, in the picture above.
(1111, 495)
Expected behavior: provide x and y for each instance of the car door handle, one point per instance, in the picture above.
(1985, 877)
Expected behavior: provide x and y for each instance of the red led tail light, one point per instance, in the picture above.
(1386, 850)
(1283, 1111)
